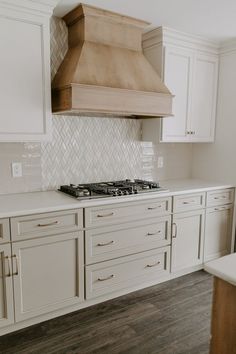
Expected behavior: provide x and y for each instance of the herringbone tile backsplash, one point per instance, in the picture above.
(85, 149)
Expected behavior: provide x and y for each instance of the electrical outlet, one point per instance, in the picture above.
(160, 161)
(16, 169)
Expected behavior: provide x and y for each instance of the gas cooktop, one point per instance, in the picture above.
(111, 189)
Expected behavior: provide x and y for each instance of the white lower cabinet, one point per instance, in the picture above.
(6, 290)
(187, 240)
(107, 277)
(127, 246)
(218, 232)
(47, 274)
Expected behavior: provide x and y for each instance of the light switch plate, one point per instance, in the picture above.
(16, 169)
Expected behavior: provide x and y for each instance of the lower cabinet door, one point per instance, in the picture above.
(187, 240)
(110, 276)
(47, 274)
(6, 289)
(218, 232)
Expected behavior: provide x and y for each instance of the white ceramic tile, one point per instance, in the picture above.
(87, 149)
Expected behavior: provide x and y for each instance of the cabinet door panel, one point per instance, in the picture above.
(24, 71)
(204, 97)
(48, 274)
(218, 232)
(187, 242)
(6, 289)
(178, 78)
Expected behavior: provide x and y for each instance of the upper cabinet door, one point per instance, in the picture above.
(204, 97)
(25, 110)
(178, 64)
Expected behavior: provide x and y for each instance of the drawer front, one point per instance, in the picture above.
(107, 277)
(189, 202)
(4, 231)
(220, 197)
(115, 241)
(40, 225)
(111, 214)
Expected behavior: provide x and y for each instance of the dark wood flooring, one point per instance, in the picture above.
(169, 318)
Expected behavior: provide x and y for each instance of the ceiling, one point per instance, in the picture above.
(215, 19)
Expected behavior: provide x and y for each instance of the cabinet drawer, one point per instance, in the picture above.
(115, 241)
(38, 225)
(107, 277)
(225, 196)
(189, 202)
(111, 214)
(4, 231)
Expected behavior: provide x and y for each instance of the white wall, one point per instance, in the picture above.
(217, 161)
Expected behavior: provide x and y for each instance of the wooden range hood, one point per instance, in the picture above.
(104, 72)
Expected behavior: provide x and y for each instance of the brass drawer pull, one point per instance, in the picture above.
(7, 258)
(190, 202)
(223, 197)
(103, 279)
(104, 215)
(153, 233)
(49, 224)
(105, 244)
(17, 268)
(153, 208)
(153, 265)
(174, 225)
(221, 208)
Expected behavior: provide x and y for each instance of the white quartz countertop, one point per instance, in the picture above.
(223, 268)
(43, 202)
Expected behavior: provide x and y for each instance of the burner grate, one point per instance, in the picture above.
(111, 189)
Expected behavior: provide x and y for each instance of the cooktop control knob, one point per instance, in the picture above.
(86, 192)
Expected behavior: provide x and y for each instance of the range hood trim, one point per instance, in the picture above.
(79, 98)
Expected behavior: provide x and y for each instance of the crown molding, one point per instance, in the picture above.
(228, 46)
(33, 6)
(169, 36)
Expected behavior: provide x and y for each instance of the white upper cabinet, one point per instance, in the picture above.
(25, 109)
(189, 67)
(204, 95)
(178, 74)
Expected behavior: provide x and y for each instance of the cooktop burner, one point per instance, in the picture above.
(111, 189)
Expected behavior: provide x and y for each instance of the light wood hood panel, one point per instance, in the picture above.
(105, 54)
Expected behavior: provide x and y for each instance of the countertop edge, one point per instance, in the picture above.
(70, 203)
(212, 267)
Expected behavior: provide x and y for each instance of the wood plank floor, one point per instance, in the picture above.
(169, 318)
